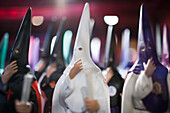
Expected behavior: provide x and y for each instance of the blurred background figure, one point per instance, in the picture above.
(34, 52)
(125, 63)
(67, 51)
(166, 55)
(54, 69)
(13, 76)
(44, 59)
(166, 47)
(3, 51)
(115, 83)
(113, 78)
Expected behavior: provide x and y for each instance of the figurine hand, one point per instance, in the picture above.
(76, 69)
(9, 71)
(22, 107)
(91, 105)
(149, 67)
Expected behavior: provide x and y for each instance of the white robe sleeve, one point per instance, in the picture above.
(101, 94)
(63, 88)
(143, 86)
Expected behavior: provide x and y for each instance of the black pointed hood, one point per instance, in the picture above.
(57, 53)
(45, 50)
(21, 45)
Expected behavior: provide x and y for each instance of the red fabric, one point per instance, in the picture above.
(9, 93)
(35, 87)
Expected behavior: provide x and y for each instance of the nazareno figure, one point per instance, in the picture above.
(145, 88)
(82, 87)
(11, 87)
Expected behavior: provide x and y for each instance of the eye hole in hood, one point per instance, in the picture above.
(80, 48)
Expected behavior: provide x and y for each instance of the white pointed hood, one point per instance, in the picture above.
(82, 42)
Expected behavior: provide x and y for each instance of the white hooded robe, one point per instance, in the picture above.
(69, 94)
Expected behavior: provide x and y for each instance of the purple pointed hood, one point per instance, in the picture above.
(146, 46)
(21, 45)
(166, 47)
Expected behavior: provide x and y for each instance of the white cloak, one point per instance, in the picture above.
(136, 87)
(63, 99)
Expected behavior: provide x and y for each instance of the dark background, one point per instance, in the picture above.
(13, 11)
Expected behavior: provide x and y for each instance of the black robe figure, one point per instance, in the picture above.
(114, 80)
(13, 88)
(55, 69)
(45, 50)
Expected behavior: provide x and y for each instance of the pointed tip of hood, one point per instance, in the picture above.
(144, 12)
(86, 5)
(86, 11)
(28, 13)
(142, 5)
(29, 9)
